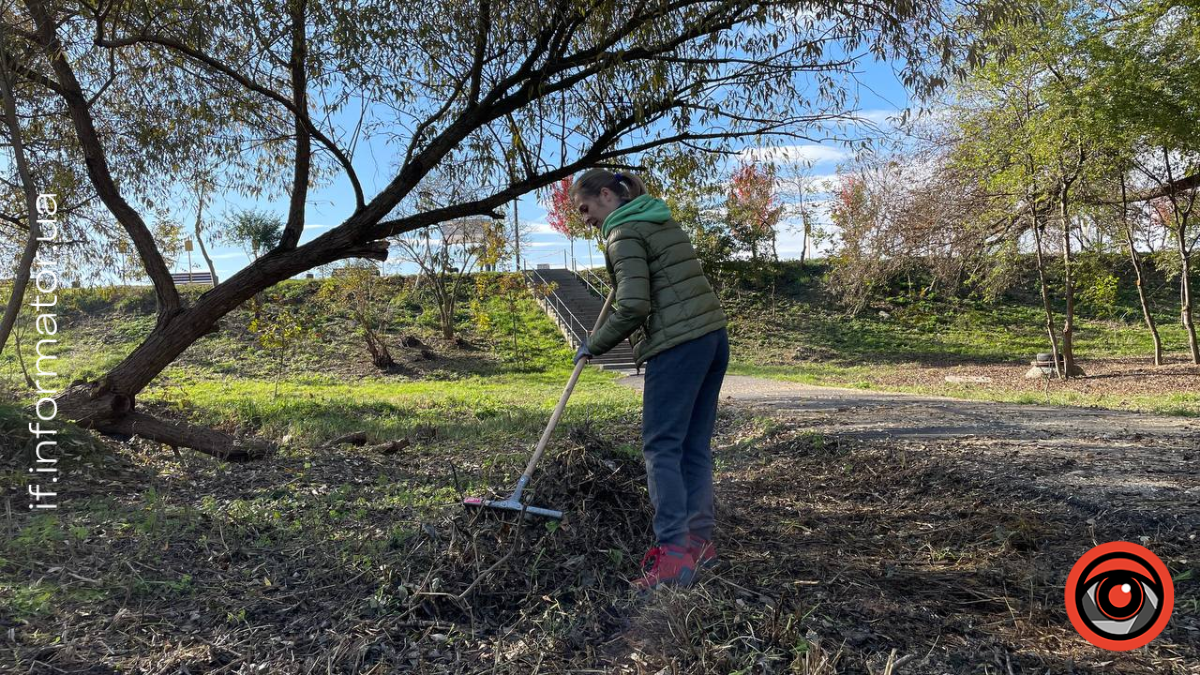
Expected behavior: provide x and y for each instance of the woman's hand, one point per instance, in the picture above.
(583, 353)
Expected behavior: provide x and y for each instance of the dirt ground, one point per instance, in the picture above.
(945, 528)
(859, 533)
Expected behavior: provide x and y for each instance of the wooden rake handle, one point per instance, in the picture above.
(562, 401)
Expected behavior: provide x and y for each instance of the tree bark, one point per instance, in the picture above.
(300, 170)
(1185, 289)
(516, 237)
(21, 357)
(1041, 268)
(21, 280)
(446, 311)
(804, 244)
(1068, 331)
(212, 269)
(1137, 271)
(208, 441)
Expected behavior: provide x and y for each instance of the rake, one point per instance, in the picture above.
(513, 503)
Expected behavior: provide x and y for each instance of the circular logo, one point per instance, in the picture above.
(1119, 596)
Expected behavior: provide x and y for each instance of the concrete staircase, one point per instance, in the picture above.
(575, 306)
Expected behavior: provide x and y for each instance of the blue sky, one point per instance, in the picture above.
(879, 95)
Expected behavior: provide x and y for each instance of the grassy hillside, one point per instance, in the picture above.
(477, 391)
(910, 341)
(790, 329)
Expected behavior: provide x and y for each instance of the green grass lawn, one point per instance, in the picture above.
(314, 408)
(934, 332)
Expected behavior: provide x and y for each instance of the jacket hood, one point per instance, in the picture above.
(642, 208)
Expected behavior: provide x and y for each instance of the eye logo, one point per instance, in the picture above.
(1119, 596)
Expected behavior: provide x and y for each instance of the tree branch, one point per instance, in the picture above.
(481, 35)
(300, 171)
(97, 166)
(21, 279)
(1164, 189)
(301, 114)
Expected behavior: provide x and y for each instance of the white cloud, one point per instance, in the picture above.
(536, 227)
(794, 154)
(878, 116)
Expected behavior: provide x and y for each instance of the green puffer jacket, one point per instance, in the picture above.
(663, 298)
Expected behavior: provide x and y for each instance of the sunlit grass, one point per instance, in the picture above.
(314, 408)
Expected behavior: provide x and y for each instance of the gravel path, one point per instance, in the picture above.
(863, 413)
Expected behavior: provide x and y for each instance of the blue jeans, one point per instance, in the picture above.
(679, 409)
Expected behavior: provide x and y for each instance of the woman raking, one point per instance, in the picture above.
(664, 301)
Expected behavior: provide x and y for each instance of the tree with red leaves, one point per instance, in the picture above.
(561, 213)
(753, 208)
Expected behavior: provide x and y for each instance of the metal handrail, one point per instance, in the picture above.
(605, 287)
(600, 288)
(559, 307)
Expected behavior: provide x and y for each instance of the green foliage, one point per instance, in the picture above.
(507, 315)
(692, 190)
(279, 331)
(1003, 271)
(28, 601)
(43, 532)
(356, 290)
(256, 231)
(1143, 76)
(1098, 288)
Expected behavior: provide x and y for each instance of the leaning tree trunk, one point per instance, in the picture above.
(212, 269)
(1041, 269)
(1137, 271)
(109, 404)
(21, 280)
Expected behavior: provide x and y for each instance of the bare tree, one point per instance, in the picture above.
(202, 190)
(1136, 259)
(446, 254)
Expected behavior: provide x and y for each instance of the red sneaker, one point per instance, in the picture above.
(702, 550)
(667, 564)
